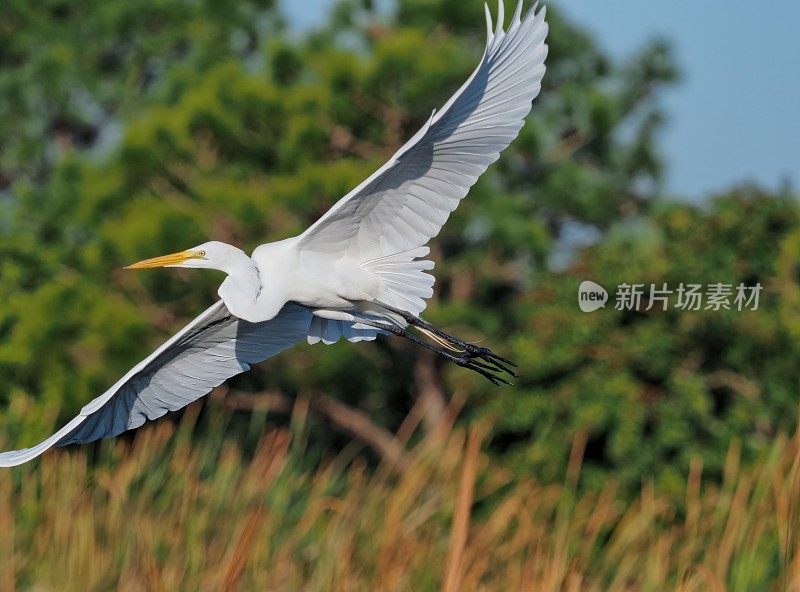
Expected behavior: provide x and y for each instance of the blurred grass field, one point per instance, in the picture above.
(166, 511)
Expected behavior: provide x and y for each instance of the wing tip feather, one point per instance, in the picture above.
(517, 14)
(488, 24)
(501, 17)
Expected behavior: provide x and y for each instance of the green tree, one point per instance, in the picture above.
(645, 391)
(72, 73)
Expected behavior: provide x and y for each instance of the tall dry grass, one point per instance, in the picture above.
(168, 513)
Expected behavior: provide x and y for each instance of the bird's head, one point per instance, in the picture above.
(210, 255)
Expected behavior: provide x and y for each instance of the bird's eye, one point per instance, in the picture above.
(202, 253)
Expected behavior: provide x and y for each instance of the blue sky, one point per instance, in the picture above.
(735, 116)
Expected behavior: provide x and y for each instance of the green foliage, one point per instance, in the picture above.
(651, 390)
(69, 72)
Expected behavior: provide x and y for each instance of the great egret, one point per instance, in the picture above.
(356, 273)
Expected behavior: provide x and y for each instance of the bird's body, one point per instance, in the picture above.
(357, 272)
(316, 280)
(257, 287)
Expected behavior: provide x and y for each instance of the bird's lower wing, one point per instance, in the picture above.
(209, 350)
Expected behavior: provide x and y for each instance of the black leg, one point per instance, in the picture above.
(475, 357)
(464, 360)
(475, 351)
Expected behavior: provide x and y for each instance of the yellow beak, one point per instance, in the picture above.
(165, 260)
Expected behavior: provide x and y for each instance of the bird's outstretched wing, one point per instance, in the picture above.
(405, 203)
(209, 350)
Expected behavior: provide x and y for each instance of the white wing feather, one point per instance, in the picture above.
(209, 350)
(405, 203)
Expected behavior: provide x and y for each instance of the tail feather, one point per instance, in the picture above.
(406, 286)
(403, 275)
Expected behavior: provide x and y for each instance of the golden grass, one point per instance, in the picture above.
(166, 513)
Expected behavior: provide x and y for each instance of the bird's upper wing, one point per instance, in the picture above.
(405, 202)
(212, 348)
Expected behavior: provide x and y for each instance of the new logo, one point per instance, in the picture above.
(591, 296)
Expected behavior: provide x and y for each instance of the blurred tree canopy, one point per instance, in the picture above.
(137, 128)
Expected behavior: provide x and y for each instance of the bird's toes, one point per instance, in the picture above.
(487, 370)
(496, 363)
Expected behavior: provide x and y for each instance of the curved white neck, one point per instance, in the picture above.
(241, 288)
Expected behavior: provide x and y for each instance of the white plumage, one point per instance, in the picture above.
(357, 272)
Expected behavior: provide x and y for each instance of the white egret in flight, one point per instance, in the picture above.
(355, 273)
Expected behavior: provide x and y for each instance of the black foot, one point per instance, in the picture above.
(467, 355)
(488, 371)
(499, 363)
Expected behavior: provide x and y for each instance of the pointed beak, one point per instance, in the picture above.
(165, 260)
